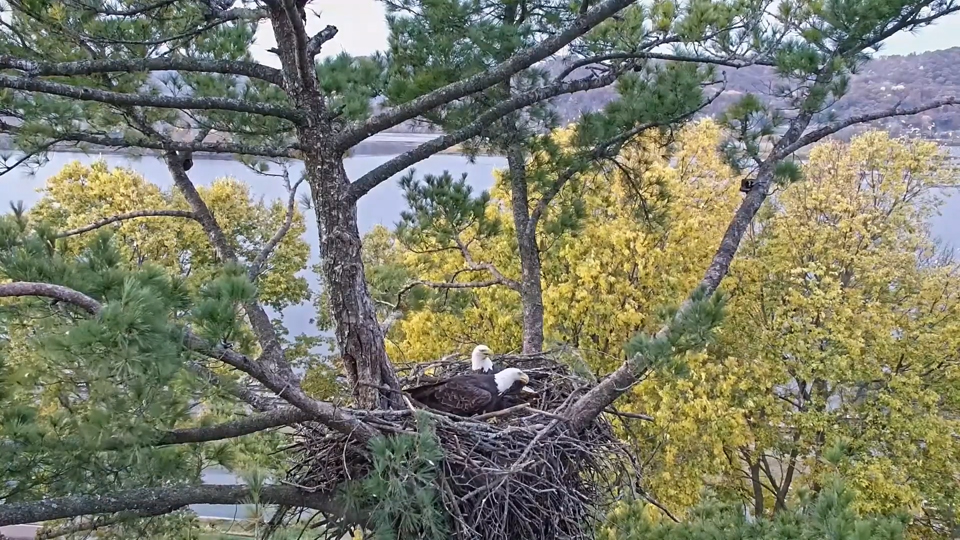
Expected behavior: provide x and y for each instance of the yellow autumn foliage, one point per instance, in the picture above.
(79, 195)
(842, 326)
(603, 282)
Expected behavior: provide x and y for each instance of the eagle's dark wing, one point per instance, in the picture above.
(462, 396)
(424, 393)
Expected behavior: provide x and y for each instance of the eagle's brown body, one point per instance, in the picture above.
(463, 395)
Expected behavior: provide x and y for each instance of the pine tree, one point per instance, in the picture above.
(651, 95)
(123, 74)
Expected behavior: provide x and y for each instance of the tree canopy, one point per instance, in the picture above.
(117, 340)
(839, 326)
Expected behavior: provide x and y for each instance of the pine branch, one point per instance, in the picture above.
(250, 397)
(165, 498)
(47, 533)
(249, 425)
(33, 68)
(383, 172)
(736, 63)
(123, 217)
(102, 10)
(322, 411)
(196, 146)
(27, 84)
(605, 149)
(481, 81)
(262, 325)
(817, 135)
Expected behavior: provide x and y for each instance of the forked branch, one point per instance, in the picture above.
(322, 411)
(381, 173)
(481, 81)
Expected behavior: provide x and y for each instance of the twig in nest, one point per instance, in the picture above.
(520, 477)
(502, 412)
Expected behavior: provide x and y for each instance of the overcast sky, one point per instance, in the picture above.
(364, 31)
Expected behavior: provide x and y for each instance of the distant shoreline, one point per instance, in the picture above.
(367, 148)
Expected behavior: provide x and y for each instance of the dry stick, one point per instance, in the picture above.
(629, 415)
(123, 217)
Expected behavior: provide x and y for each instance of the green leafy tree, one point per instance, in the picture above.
(103, 404)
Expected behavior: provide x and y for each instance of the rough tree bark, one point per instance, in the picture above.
(359, 336)
(531, 289)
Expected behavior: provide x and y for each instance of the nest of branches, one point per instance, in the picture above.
(515, 473)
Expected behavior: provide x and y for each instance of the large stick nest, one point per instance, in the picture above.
(517, 473)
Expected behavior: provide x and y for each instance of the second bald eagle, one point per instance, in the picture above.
(467, 395)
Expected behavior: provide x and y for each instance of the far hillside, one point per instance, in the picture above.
(884, 82)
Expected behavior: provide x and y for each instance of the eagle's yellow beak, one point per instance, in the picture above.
(525, 378)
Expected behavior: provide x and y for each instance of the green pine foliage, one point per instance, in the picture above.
(400, 493)
(82, 399)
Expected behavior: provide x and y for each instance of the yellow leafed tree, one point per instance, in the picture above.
(80, 195)
(841, 328)
(643, 240)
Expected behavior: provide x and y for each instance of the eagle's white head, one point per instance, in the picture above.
(508, 377)
(481, 359)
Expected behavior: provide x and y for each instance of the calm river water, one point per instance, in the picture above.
(382, 206)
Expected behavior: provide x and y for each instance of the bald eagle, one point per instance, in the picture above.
(481, 363)
(481, 359)
(466, 395)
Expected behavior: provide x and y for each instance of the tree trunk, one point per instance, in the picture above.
(359, 336)
(531, 291)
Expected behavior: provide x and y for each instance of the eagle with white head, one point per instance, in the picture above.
(475, 393)
(481, 359)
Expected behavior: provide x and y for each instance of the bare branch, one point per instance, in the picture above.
(264, 254)
(473, 265)
(321, 37)
(196, 146)
(383, 172)
(32, 68)
(324, 412)
(146, 100)
(228, 430)
(453, 91)
(460, 284)
(635, 416)
(606, 149)
(123, 217)
(46, 290)
(817, 135)
(155, 499)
